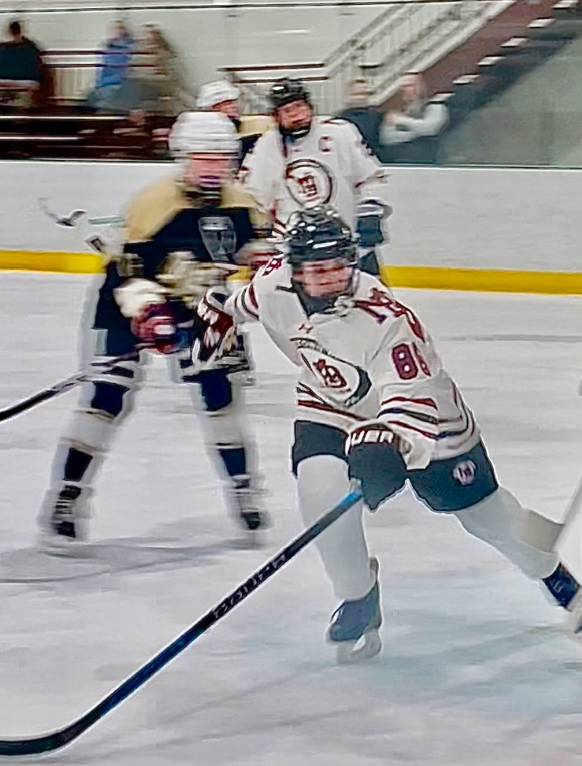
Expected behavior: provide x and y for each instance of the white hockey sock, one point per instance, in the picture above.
(322, 481)
(497, 520)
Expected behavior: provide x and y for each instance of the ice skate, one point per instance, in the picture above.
(63, 520)
(564, 590)
(247, 506)
(355, 624)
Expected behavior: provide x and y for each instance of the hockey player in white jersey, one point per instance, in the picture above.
(308, 161)
(181, 234)
(375, 404)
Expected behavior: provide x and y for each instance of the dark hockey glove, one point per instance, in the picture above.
(375, 459)
(156, 327)
(371, 228)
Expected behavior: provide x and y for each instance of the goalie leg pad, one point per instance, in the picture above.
(322, 480)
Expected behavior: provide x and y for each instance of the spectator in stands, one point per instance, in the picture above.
(222, 96)
(113, 69)
(411, 134)
(20, 64)
(360, 112)
(155, 83)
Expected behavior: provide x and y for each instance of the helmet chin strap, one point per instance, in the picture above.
(339, 304)
(206, 192)
(294, 134)
(204, 195)
(312, 305)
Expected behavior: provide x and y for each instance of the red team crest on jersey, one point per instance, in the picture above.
(464, 472)
(330, 375)
(309, 182)
(348, 382)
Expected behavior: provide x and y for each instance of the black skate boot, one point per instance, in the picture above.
(247, 506)
(565, 591)
(63, 519)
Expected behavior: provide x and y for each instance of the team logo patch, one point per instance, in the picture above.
(219, 236)
(309, 182)
(464, 472)
(343, 382)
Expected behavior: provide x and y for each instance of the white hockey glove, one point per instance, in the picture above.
(215, 330)
(371, 226)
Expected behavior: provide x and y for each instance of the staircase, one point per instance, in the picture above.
(404, 37)
(496, 56)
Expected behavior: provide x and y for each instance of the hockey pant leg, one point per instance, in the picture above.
(498, 520)
(226, 432)
(104, 403)
(322, 481)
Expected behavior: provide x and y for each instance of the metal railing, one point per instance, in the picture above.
(404, 37)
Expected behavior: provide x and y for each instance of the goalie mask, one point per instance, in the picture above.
(205, 145)
(323, 258)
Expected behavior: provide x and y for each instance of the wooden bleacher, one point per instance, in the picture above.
(55, 125)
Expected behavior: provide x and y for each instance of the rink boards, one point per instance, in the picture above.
(487, 229)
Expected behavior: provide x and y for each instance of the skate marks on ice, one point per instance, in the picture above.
(169, 548)
(446, 690)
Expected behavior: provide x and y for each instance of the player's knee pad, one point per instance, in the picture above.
(322, 481)
(111, 392)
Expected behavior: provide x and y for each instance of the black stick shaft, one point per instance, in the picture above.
(58, 388)
(55, 740)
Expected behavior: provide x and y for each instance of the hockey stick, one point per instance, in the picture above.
(55, 740)
(57, 388)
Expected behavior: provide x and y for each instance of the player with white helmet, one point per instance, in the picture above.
(374, 403)
(308, 161)
(182, 234)
(222, 96)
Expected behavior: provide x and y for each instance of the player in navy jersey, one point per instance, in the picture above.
(182, 235)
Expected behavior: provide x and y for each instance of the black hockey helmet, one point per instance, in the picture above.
(320, 236)
(286, 91)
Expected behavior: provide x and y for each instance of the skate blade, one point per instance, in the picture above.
(57, 545)
(349, 652)
(250, 539)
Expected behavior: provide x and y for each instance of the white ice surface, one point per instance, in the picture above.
(475, 669)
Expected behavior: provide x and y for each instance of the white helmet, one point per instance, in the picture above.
(204, 133)
(213, 93)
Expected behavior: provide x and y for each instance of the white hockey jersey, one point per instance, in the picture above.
(331, 165)
(371, 359)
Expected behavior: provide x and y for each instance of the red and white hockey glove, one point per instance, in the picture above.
(155, 326)
(375, 459)
(216, 331)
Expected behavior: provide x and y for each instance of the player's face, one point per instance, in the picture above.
(199, 169)
(295, 115)
(229, 108)
(324, 279)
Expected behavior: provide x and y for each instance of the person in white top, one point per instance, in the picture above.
(306, 161)
(374, 403)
